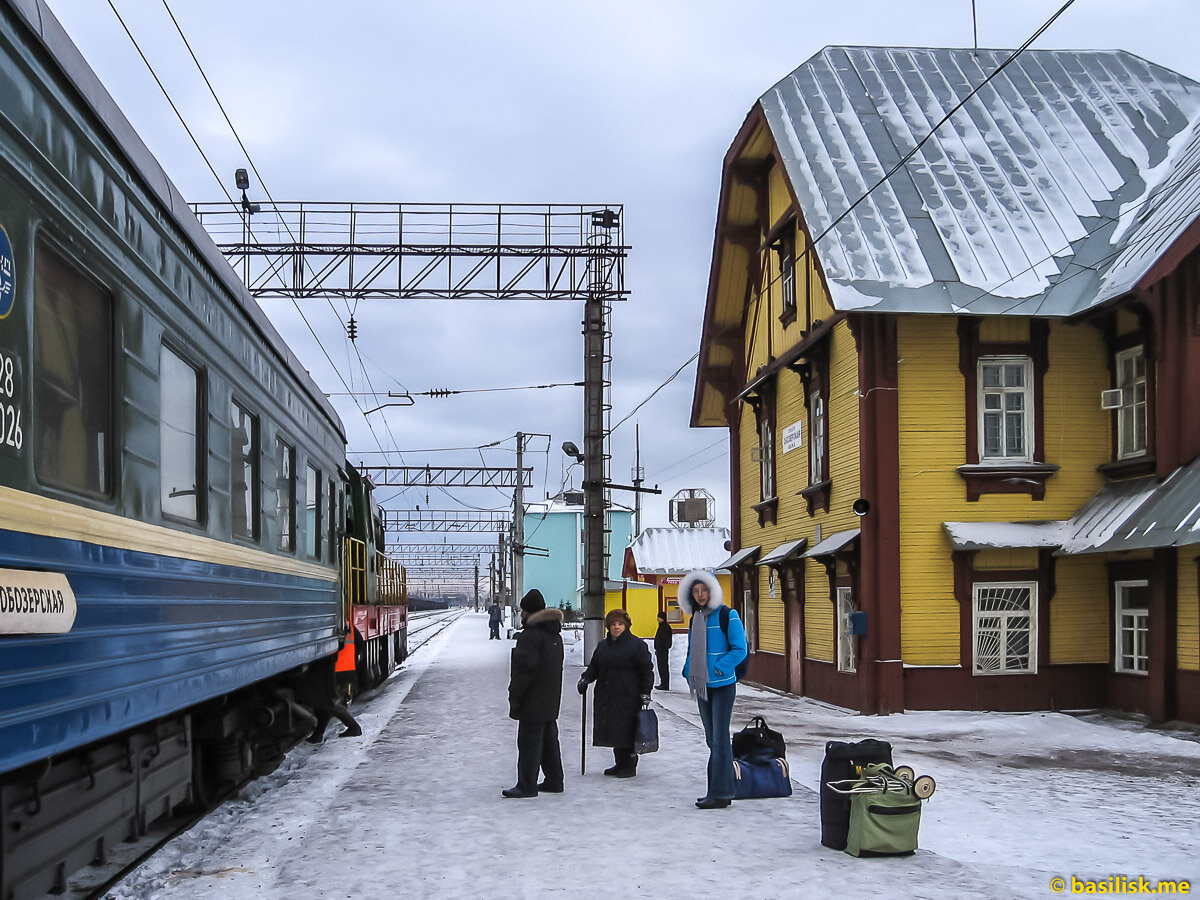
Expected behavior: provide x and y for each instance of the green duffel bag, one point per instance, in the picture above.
(883, 823)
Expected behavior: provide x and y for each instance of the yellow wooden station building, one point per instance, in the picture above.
(953, 328)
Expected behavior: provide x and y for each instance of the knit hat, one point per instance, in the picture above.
(533, 601)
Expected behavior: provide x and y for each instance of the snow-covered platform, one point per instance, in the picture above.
(413, 808)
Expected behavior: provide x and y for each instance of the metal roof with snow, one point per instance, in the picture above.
(783, 552)
(664, 551)
(1136, 514)
(1055, 188)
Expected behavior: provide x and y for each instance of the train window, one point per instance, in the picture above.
(73, 375)
(312, 513)
(285, 494)
(243, 455)
(181, 476)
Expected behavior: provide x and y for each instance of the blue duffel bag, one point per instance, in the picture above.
(757, 777)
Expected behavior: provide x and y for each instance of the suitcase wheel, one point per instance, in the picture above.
(905, 773)
(924, 787)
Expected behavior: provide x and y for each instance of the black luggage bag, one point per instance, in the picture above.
(841, 762)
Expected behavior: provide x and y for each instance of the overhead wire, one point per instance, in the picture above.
(271, 199)
(946, 118)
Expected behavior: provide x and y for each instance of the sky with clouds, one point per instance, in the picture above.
(631, 103)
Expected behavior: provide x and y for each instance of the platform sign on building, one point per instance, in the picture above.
(793, 437)
(35, 602)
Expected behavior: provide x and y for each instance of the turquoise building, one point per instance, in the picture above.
(556, 525)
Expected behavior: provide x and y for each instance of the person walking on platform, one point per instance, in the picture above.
(534, 697)
(663, 638)
(714, 651)
(316, 688)
(624, 675)
(495, 617)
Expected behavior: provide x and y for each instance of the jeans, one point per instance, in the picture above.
(716, 713)
(538, 748)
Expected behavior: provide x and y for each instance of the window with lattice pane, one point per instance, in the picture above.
(1132, 625)
(1004, 628)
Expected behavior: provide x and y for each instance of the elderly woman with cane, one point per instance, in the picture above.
(716, 645)
(624, 676)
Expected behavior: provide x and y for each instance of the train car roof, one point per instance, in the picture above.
(62, 50)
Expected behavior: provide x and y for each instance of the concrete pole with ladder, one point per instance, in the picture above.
(518, 540)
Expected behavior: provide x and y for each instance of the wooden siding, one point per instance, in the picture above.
(932, 432)
(771, 631)
(1080, 630)
(1188, 648)
(820, 636)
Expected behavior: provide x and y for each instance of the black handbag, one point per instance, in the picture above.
(758, 741)
(645, 739)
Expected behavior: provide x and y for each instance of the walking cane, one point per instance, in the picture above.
(583, 738)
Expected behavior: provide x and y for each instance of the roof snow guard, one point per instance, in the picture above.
(1138, 514)
(1055, 188)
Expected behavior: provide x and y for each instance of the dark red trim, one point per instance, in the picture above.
(731, 171)
(880, 666)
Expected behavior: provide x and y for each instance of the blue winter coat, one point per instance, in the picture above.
(724, 653)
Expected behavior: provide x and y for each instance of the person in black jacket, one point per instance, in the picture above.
(624, 675)
(662, 652)
(534, 696)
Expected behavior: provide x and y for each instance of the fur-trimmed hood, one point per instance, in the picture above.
(551, 616)
(716, 597)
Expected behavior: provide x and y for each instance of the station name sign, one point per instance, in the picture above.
(35, 602)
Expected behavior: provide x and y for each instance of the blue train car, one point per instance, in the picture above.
(171, 486)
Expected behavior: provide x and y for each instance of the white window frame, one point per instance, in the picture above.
(787, 274)
(1132, 422)
(847, 646)
(1132, 621)
(766, 455)
(1005, 393)
(1009, 624)
(817, 462)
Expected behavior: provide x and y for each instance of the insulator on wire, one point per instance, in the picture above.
(352, 329)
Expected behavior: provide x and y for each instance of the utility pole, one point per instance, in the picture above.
(595, 339)
(502, 584)
(638, 476)
(518, 543)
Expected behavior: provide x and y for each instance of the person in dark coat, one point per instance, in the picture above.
(662, 652)
(495, 617)
(534, 696)
(624, 675)
(316, 688)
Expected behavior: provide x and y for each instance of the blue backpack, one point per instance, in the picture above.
(740, 669)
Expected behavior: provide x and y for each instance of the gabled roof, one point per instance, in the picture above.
(667, 551)
(1055, 188)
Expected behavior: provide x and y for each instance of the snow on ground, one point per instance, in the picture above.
(413, 808)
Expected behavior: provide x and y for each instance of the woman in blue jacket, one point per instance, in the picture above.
(714, 652)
